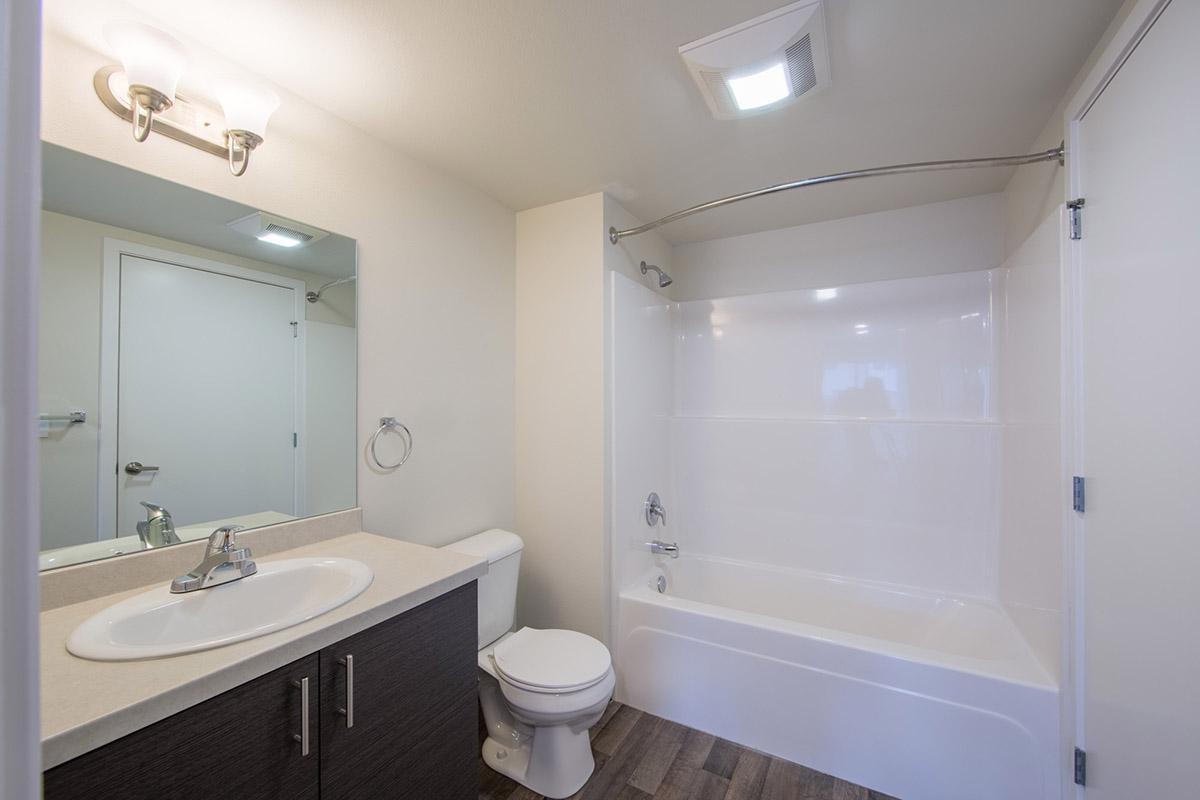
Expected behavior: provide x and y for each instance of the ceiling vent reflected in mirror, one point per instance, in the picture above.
(276, 230)
(763, 64)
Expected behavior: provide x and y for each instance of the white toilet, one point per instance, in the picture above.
(540, 690)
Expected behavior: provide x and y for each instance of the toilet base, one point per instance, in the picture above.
(548, 753)
(556, 765)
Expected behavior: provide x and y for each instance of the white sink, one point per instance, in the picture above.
(281, 594)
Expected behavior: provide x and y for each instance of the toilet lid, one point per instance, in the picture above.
(552, 660)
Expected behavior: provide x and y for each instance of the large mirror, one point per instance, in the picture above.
(197, 363)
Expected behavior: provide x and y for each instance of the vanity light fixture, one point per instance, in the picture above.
(153, 64)
(142, 90)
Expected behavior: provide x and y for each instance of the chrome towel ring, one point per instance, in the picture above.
(390, 424)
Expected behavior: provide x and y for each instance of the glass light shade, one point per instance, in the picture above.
(150, 57)
(247, 106)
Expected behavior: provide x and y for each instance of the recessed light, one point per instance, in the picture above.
(761, 88)
(270, 237)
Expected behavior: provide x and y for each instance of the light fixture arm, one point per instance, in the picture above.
(141, 130)
(144, 103)
(240, 145)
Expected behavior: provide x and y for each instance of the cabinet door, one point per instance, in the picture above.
(412, 703)
(238, 744)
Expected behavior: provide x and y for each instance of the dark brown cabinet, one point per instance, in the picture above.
(405, 732)
(391, 715)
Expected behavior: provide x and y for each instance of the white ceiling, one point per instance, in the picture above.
(535, 101)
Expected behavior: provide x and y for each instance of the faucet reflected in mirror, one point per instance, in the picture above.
(158, 529)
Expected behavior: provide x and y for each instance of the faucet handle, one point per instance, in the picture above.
(223, 539)
(655, 513)
(153, 510)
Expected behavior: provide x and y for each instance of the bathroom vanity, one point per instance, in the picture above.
(376, 698)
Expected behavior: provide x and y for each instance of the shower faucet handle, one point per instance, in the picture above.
(655, 513)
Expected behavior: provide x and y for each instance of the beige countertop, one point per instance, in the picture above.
(86, 704)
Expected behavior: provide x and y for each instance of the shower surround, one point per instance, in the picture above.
(839, 471)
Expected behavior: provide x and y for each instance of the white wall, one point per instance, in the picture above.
(641, 387)
(560, 416)
(436, 322)
(930, 239)
(847, 430)
(330, 450)
(72, 267)
(903, 430)
(1031, 492)
(1036, 190)
(564, 318)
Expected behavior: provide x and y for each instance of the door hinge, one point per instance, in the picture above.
(295, 329)
(295, 439)
(1075, 215)
(1080, 767)
(1077, 494)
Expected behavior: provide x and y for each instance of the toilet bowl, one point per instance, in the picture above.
(540, 690)
(538, 733)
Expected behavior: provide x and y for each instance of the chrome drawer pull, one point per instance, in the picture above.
(348, 711)
(302, 737)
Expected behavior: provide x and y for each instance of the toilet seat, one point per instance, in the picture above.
(551, 661)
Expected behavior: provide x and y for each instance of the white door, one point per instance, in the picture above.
(1139, 171)
(206, 393)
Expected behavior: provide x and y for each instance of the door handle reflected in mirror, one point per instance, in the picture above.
(137, 468)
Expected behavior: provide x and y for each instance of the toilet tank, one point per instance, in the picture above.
(497, 589)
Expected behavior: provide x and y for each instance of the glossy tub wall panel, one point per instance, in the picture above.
(640, 403)
(917, 348)
(834, 462)
(906, 502)
(848, 430)
(943, 702)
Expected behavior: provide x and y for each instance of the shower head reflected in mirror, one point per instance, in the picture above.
(664, 280)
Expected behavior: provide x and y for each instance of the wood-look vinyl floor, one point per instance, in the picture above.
(643, 757)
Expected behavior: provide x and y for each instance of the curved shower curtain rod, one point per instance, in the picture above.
(1055, 154)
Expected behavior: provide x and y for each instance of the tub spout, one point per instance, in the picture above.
(664, 548)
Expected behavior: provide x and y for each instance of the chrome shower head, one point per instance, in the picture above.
(664, 280)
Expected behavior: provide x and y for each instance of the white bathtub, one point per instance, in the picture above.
(921, 696)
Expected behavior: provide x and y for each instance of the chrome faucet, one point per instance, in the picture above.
(660, 548)
(655, 513)
(158, 529)
(223, 562)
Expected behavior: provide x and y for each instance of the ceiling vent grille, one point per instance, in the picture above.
(791, 39)
(801, 68)
(718, 91)
(283, 230)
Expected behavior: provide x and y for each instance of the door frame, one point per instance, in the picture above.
(1129, 34)
(110, 323)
